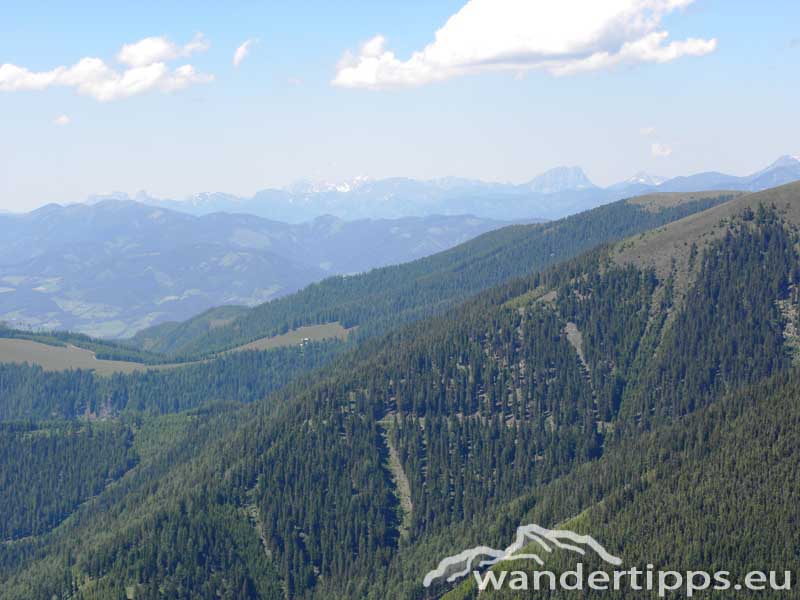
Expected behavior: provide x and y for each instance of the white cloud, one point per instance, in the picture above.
(159, 49)
(242, 52)
(62, 120)
(146, 70)
(198, 43)
(647, 131)
(147, 51)
(660, 150)
(564, 37)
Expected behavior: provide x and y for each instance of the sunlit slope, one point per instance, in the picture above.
(661, 245)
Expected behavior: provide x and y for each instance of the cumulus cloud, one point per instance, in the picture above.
(660, 150)
(565, 37)
(242, 52)
(146, 70)
(62, 120)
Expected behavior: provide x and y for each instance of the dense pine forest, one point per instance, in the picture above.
(29, 392)
(541, 376)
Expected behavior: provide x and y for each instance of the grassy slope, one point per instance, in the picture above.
(660, 246)
(298, 336)
(63, 357)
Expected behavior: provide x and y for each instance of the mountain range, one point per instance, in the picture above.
(373, 303)
(554, 194)
(636, 382)
(114, 267)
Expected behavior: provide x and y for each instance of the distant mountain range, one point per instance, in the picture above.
(641, 178)
(114, 267)
(557, 193)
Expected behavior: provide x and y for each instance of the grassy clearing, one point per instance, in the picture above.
(61, 358)
(659, 247)
(312, 333)
(68, 356)
(660, 201)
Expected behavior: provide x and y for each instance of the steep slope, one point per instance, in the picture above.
(713, 492)
(380, 299)
(484, 406)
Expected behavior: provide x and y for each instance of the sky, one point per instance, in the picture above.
(177, 98)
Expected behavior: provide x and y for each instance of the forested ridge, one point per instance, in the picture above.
(383, 298)
(638, 431)
(374, 302)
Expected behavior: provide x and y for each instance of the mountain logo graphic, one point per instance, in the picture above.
(459, 565)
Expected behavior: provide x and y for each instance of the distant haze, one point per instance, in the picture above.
(248, 96)
(115, 267)
(551, 195)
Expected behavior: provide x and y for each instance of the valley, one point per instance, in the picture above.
(464, 300)
(113, 268)
(575, 394)
(384, 298)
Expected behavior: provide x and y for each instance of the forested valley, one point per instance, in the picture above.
(643, 391)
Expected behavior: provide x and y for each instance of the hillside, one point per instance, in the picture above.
(651, 499)
(250, 377)
(646, 426)
(115, 267)
(658, 247)
(383, 298)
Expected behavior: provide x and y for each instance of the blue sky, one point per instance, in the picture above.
(293, 108)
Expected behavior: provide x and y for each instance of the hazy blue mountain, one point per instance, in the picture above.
(554, 194)
(701, 181)
(785, 161)
(548, 196)
(113, 267)
(641, 179)
(774, 177)
(560, 179)
(785, 169)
